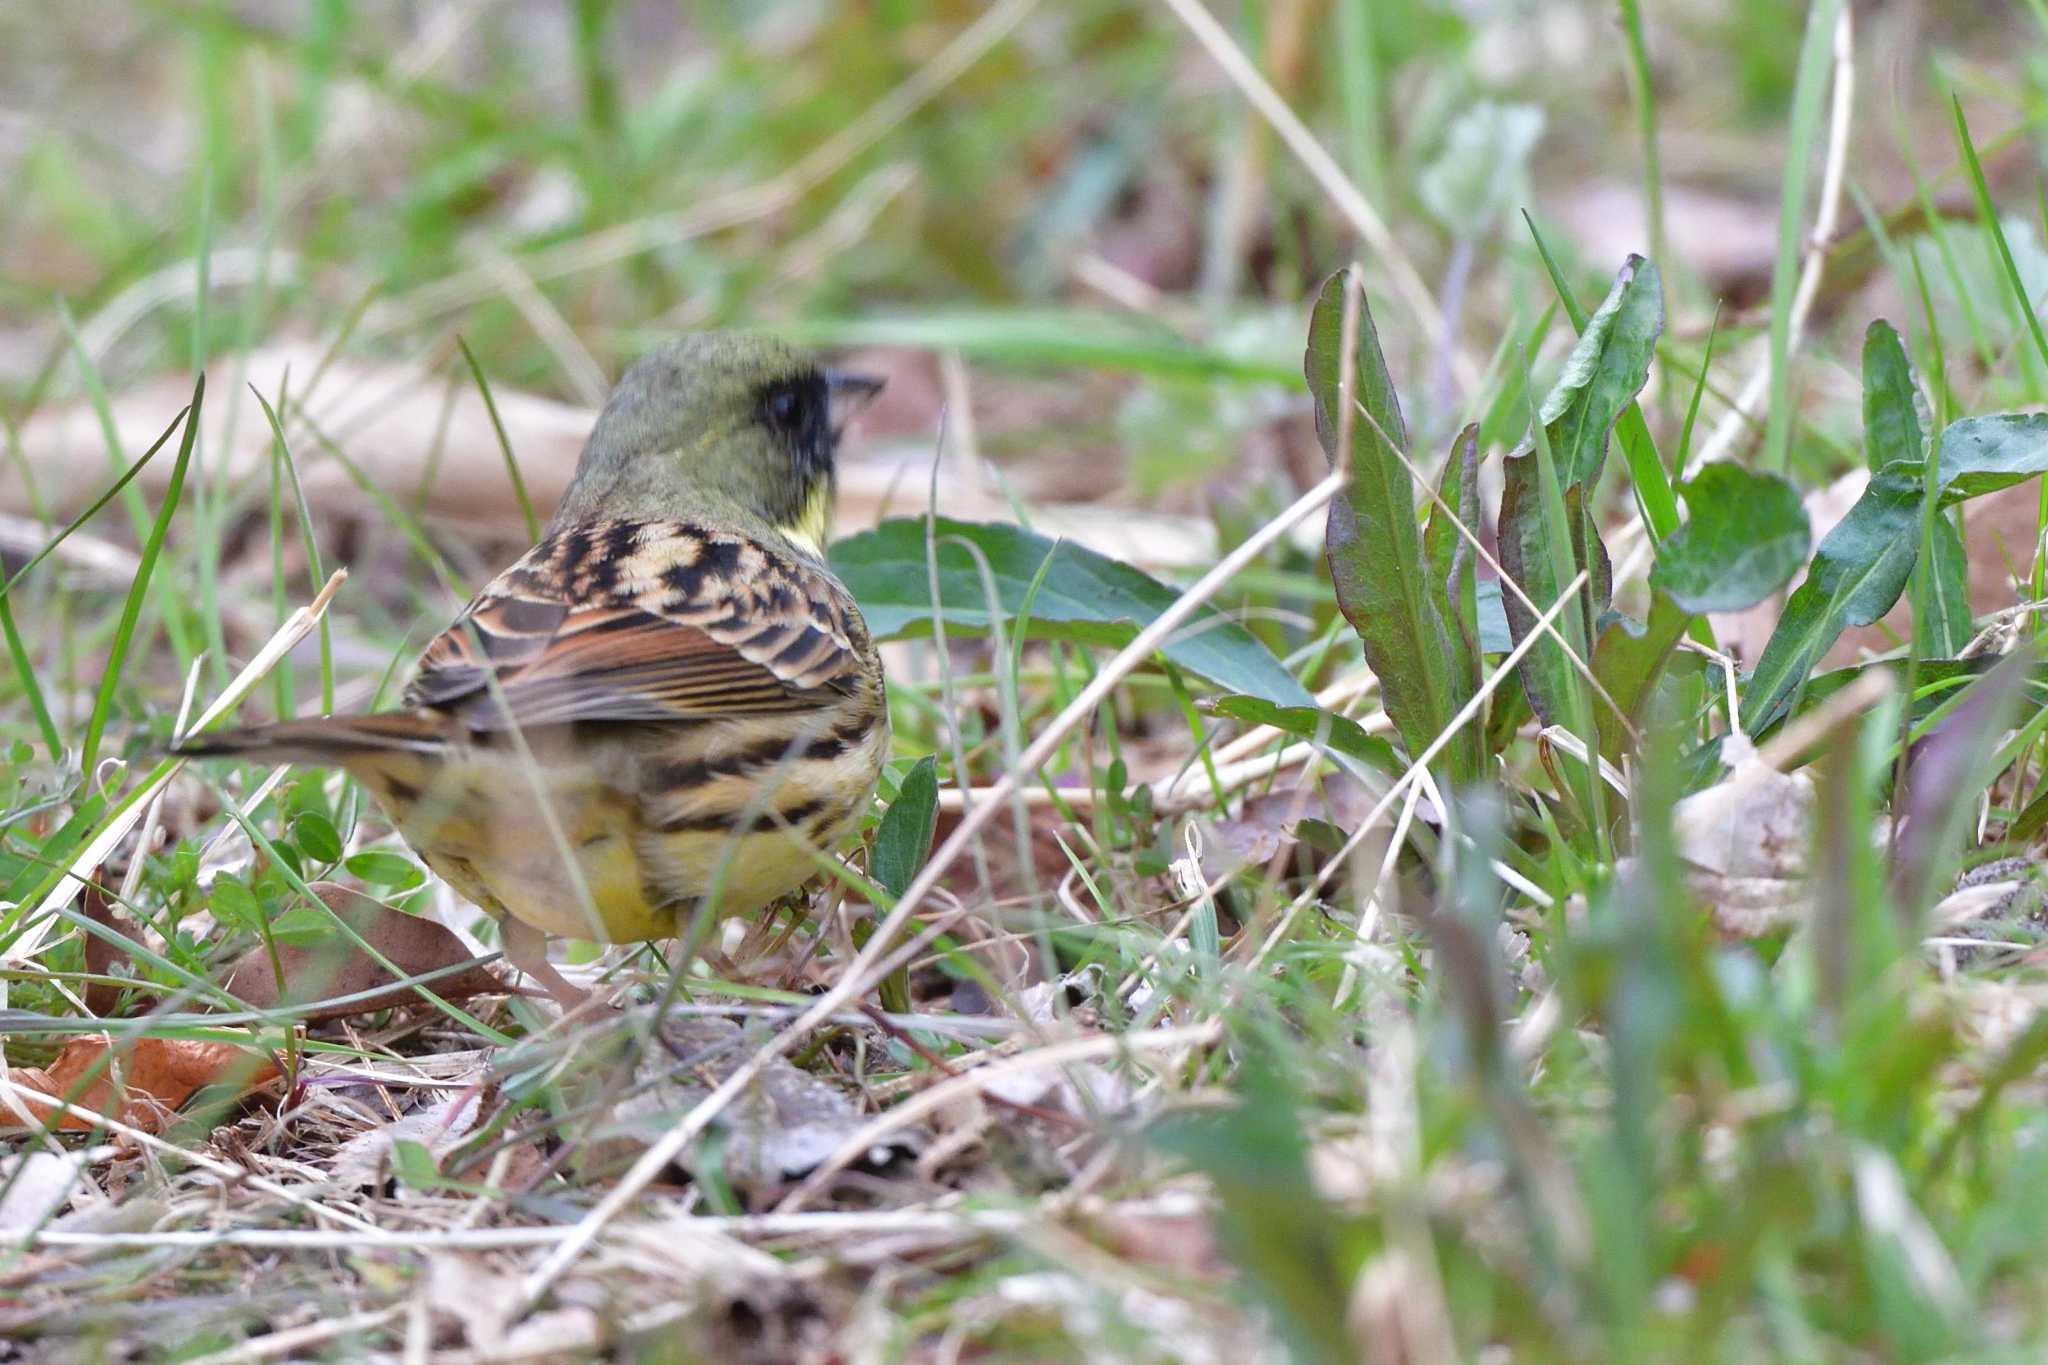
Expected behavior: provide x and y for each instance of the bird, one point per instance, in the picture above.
(670, 702)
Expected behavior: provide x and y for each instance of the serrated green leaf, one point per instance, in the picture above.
(1746, 536)
(1084, 597)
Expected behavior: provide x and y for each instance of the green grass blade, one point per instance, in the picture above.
(504, 443)
(1809, 87)
(2021, 303)
(131, 610)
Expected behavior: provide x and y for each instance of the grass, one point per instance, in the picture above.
(1387, 998)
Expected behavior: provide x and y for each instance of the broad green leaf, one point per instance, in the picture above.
(1375, 549)
(1340, 733)
(1982, 455)
(1630, 660)
(1530, 526)
(380, 867)
(1083, 597)
(1863, 564)
(1604, 373)
(1746, 536)
(317, 838)
(1895, 418)
(1943, 623)
(1857, 573)
(1648, 479)
(904, 837)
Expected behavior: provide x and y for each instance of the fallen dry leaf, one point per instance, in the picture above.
(1747, 839)
(440, 1128)
(35, 1186)
(143, 1083)
(339, 968)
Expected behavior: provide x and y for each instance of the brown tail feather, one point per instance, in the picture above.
(331, 740)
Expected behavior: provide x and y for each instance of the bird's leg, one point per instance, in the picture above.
(527, 949)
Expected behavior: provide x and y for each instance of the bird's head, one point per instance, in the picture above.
(722, 426)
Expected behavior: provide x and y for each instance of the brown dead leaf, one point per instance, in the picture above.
(440, 1128)
(143, 1083)
(339, 968)
(1747, 840)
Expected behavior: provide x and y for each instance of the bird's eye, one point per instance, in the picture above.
(781, 408)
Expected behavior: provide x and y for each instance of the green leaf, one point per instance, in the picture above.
(1084, 597)
(138, 591)
(1374, 545)
(1943, 623)
(1858, 572)
(317, 838)
(1604, 373)
(235, 905)
(414, 1165)
(905, 834)
(1630, 659)
(1895, 418)
(380, 868)
(1531, 524)
(1647, 476)
(1863, 564)
(1341, 733)
(1494, 635)
(1982, 455)
(1746, 536)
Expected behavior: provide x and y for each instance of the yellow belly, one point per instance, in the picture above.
(619, 842)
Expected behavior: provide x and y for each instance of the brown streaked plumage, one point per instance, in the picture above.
(669, 697)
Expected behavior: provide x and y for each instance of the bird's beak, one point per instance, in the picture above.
(851, 392)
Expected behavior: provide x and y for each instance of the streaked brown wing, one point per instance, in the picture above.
(635, 621)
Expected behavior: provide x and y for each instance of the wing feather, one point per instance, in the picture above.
(644, 621)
